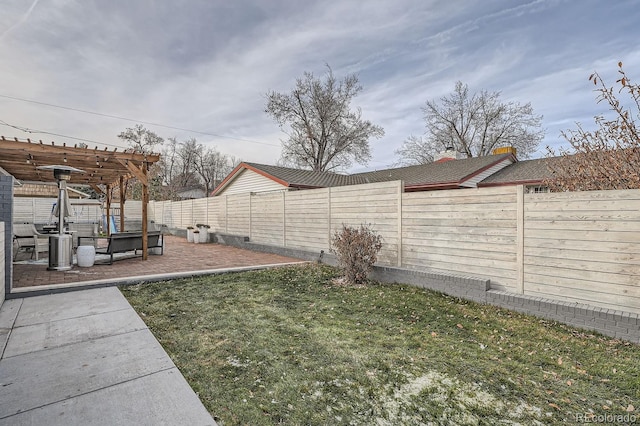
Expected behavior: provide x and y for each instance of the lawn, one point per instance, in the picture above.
(289, 346)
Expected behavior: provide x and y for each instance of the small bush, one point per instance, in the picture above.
(357, 250)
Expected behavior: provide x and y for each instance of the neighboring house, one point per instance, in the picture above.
(190, 193)
(530, 173)
(253, 177)
(43, 190)
(446, 173)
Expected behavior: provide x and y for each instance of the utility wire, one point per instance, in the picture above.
(15, 98)
(32, 131)
(28, 130)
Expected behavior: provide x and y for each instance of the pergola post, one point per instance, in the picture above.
(108, 215)
(145, 203)
(122, 204)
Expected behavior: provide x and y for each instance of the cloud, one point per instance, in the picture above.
(20, 21)
(206, 65)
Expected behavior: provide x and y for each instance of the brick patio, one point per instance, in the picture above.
(179, 256)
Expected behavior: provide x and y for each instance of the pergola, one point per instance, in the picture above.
(104, 169)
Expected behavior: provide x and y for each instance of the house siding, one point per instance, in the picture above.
(250, 181)
(473, 182)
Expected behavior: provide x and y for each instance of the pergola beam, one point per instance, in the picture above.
(103, 169)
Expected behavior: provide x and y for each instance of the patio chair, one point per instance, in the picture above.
(28, 238)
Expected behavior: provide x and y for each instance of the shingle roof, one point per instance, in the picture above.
(527, 171)
(453, 171)
(447, 173)
(306, 178)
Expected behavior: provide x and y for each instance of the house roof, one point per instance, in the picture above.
(305, 178)
(44, 189)
(289, 177)
(437, 175)
(522, 172)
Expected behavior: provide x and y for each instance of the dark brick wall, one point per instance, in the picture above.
(464, 287)
(619, 324)
(6, 216)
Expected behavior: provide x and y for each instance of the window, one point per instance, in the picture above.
(536, 189)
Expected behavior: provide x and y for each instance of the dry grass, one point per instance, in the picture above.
(288, 346)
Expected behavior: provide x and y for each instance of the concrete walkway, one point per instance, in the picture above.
(86, 358)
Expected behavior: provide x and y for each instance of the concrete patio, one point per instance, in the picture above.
(86, 358)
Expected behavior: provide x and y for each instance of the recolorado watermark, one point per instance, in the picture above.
(606, 418)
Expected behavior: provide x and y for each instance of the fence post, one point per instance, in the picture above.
(284, 218)
(400, 191)
(520, 239)
(329, 216)
(250, 215)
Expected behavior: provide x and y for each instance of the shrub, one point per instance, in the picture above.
(357, 250)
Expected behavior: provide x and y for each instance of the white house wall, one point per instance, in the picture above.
(250, 181)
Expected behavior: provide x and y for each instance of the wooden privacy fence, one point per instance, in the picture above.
(577, 247)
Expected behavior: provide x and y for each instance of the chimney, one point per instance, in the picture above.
(504, 150)
(448, 154)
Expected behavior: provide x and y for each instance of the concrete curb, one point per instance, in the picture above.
(18, 293)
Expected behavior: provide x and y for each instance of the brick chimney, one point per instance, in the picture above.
(448, 154)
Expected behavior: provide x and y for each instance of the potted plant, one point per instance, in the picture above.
(189, 234)
(204, 232)
(196, 236)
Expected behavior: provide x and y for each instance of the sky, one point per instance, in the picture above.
(201, 68)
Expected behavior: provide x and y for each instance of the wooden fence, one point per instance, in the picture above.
(576, 247)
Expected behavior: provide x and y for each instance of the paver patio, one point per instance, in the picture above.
(179, 256)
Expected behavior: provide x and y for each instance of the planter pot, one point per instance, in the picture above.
(157, 250)
(204, 235)
(86, 256)
(196, 237)
(189, 235)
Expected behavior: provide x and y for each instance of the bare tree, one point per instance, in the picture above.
(324, 132)
(174, 172)
(234, 162)
(141, 139)
(212, 167)
(187, 153)
(415, 150)
(608, 157)
(474, 125)
(168, 161)
(190, 164)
